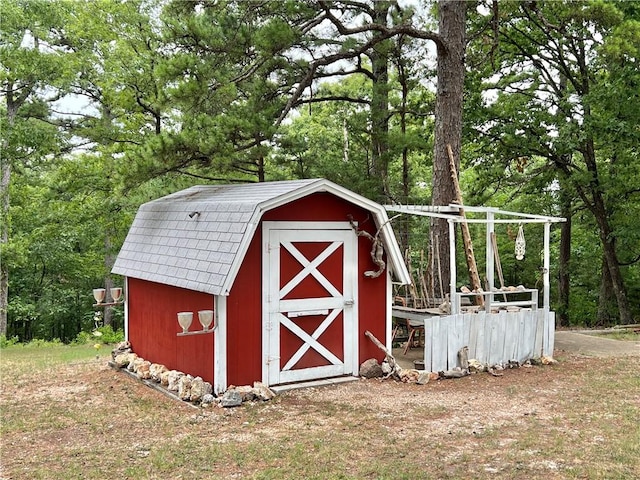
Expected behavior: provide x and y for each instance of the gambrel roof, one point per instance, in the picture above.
(170, 243)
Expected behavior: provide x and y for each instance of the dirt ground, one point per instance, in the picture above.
(593, 345)
(87, 420)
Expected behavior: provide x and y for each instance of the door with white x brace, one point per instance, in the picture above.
(309, 290)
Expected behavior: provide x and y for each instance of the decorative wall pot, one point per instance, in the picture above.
(185, 319)
(206, 318)
(98, 294)
(116, 293)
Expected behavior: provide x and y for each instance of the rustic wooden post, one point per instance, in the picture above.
(466, 236)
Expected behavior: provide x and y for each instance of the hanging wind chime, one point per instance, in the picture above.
(521, 244)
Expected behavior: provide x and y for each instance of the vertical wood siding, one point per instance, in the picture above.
(153, 327)
(244, 319)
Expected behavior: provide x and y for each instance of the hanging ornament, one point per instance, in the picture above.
(521, 244)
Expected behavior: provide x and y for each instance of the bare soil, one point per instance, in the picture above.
(578, 418)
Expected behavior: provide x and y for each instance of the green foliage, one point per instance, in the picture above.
(41, 343)
(8, 342)
(61, 219)
(179, 93)
(333, 140)
(100, 335)
(554, 119)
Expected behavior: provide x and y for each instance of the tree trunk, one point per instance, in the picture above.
(14, 101)
(613, 267)
(607, 238)
(448, 117)
(606, 299)
(380, 104)
(403, 227)
(5, 179)
(564, 257)
(259, 160)
(108, 281)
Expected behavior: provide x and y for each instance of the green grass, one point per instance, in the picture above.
(626, 335)
(38, 356)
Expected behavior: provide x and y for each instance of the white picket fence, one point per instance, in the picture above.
(492, 338)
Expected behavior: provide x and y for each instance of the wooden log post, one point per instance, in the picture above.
(396, 370)
(474, 278)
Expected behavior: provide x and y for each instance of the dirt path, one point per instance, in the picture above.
(594, 346)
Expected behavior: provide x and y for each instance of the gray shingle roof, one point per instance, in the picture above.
(204, 253)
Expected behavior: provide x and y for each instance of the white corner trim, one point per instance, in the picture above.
(388, 314)
(126, 308)
(220, 344)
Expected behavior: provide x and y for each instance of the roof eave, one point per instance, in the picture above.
(394, 255)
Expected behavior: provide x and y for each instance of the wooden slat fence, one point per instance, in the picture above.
(492, 338)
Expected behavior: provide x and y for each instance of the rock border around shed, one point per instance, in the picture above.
(182, 386)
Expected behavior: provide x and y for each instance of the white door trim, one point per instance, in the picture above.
(345, 301)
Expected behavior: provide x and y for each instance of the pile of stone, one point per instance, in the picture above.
(182, 385)
(372, 369)
(235, 396)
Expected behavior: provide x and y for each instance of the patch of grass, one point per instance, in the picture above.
(626, 335)
(432, 411)
(18, 358)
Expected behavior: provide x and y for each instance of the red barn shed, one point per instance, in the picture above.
(281, 267)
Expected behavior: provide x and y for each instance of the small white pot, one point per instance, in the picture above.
(185, 319)
(206, 318)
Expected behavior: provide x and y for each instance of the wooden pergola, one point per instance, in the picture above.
(454, 214)
(502, 327)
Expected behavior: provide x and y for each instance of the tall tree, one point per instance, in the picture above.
(117, 76)
(226, 67)
(356, 40)
(319, 39)
(379, 56)
(448, 116)
(33, 75)
(559, 72)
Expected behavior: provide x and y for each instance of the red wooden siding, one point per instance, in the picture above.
(372, 304)
(244, 319)
(153, 326)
